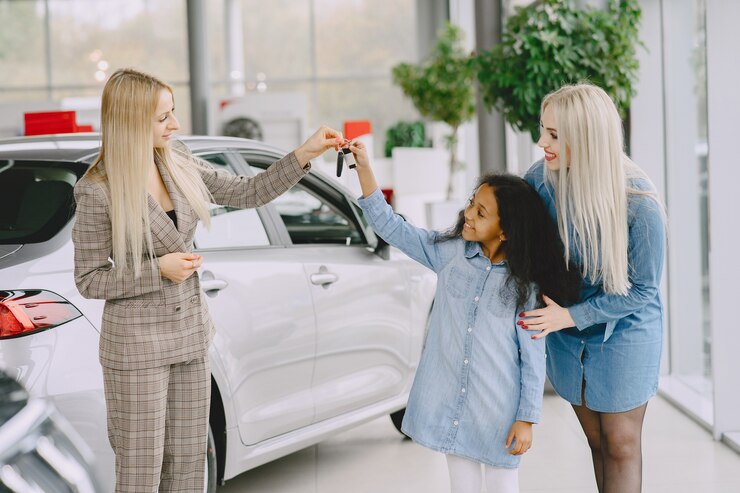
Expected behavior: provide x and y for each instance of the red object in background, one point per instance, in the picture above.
(356, 128)
(388, 194)
(53, 122)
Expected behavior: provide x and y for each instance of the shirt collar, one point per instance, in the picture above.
(473, 248)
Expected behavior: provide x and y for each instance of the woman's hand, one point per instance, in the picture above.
(522, 432)
(549, 319)
(179, 266)
(321, 141)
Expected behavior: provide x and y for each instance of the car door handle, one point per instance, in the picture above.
(323, 278)
(213, 285)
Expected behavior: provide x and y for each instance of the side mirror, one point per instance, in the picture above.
(382, 249)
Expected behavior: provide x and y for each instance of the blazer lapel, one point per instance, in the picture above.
(163, 229)
(162, 226)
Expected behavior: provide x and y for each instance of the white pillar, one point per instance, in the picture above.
(723, 71)
(685, 305)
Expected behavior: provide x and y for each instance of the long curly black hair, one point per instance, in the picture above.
(534, 251)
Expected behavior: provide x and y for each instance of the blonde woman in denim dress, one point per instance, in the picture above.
(478, 388)
(603, 352)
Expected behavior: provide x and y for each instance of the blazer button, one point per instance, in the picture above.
(195, 299)
(178, 308)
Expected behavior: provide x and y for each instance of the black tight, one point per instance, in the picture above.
(615, 440)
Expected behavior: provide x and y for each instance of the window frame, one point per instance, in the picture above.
(331, 193)
(236, 164)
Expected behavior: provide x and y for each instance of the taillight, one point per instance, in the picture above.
(25, 312)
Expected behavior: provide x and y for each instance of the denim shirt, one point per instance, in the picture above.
(478, 372)
(646, 252)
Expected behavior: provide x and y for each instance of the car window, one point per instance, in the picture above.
(36, 199)
(313, 217)
(230, 227)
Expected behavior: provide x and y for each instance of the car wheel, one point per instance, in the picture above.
(397, 419)
(209, 485)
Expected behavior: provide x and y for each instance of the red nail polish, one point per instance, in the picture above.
(533, 337)
(520, 323)
(524, 326)
(521, 314)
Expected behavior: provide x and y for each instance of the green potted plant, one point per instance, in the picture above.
(441, 88)
(405, 134)
(552, 42)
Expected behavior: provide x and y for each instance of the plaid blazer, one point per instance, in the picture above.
(152, 321)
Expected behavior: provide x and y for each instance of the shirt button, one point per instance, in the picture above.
(465, 362)
(463, 390)
(477, 298)
(470, 329)
(455, 423)
(583, 342)
(488, 268)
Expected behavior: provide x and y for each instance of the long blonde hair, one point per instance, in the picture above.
(591, 190)
(129, 101)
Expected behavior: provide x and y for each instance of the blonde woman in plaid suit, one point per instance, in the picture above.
(137, 209)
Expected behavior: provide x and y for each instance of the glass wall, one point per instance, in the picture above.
(339, 54)
(57, 49)
(684, 58)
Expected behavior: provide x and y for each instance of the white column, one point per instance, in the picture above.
(723, 72)
(234, 44)
(685, 306)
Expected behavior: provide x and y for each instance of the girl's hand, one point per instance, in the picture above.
(549, 319)
(360, 152)
(522, 432)
(179, 266)
(321, 141)
(363, 168)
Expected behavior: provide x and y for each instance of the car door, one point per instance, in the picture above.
(261, 304)
(361, 300)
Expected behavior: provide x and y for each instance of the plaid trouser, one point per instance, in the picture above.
(158, 426)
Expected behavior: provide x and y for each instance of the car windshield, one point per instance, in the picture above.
(36, 199)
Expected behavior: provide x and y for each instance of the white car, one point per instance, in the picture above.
(319, 324)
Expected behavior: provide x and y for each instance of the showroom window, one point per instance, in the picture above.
(57, 49)
(53, 50)
(686, 173)
(307, 47)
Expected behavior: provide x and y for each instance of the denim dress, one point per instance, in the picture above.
(615, 347)
(478, 371)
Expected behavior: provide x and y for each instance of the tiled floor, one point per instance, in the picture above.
(679, 457)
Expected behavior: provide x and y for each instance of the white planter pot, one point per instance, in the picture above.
(420, 175)
(442, 215)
